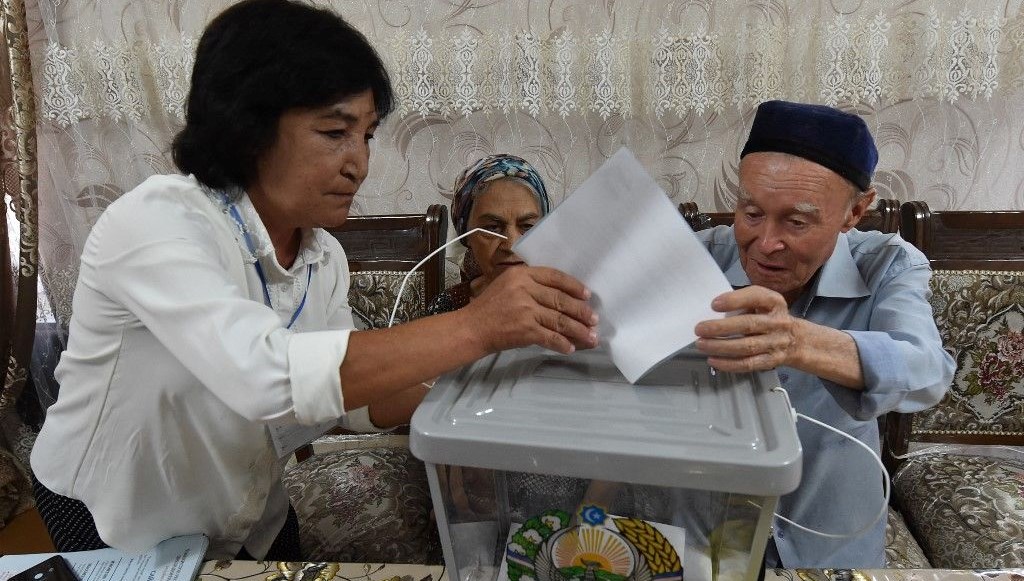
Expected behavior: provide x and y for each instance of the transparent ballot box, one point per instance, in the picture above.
(545, 467)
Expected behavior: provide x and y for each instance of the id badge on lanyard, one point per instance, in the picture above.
(289, 436)
(286, 435)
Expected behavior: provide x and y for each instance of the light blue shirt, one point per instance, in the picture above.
(875, 288)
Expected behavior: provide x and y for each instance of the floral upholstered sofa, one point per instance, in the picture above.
(364, 497)
(959, 466)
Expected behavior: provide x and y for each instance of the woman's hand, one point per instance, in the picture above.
(523, 306)
(534, 306)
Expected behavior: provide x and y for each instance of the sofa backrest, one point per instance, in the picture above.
(380, 250)
(978, 300)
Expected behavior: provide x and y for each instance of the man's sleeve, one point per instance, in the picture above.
(904, 365)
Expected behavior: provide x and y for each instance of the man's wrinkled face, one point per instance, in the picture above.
(788, 217)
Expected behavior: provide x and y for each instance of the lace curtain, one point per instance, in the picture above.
(564, 83)
(691, 65)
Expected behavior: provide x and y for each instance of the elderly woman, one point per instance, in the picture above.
(210, 305)
(502, 194)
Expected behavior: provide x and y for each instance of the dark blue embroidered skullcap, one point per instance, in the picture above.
(829, 137)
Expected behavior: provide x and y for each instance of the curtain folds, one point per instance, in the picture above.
(19, 169)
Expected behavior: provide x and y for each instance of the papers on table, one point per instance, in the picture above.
(176, 559)
(652, 280)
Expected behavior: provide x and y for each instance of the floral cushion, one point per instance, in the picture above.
(367, 503)
(372, 296)
(901, 550)
(967, 512)
(980, 315)
(364, 497)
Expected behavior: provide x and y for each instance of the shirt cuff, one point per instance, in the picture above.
(314, 364)
(358, 420)
(880, 360)
(883, 370)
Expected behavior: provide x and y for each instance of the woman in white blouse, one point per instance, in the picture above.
(210, 305)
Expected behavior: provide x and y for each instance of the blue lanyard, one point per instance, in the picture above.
(259, 270)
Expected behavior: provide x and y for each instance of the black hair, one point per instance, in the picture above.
(256, 60)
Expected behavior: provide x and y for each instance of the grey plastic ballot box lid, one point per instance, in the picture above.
(532, 410)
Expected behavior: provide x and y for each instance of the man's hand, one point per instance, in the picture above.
(534, 306)
(763, 337)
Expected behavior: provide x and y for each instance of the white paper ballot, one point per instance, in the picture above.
(652, 280)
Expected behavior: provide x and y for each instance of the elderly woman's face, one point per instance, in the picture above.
(310, 174)
(506, 207)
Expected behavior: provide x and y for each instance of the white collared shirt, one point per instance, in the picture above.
(174, 364)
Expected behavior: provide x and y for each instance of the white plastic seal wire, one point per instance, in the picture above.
(405, 279)
(885, 476)
(987, 450)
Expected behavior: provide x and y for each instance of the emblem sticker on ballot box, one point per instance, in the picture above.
(599, 547)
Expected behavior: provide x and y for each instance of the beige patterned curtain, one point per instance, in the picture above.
(563, 83)
(18, 177)
(19, 254)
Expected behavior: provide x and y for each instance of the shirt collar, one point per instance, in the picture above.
(313, 247)
(262, 247)
(839, 276)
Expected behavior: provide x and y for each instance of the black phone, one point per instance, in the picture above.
(53, 569)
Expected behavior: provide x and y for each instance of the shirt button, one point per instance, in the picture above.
(783, 377)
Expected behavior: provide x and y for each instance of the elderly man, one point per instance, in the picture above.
(842, 315)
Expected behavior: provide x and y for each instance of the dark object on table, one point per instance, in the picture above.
(53, 569)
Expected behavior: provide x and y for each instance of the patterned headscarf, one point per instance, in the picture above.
(488, 169)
